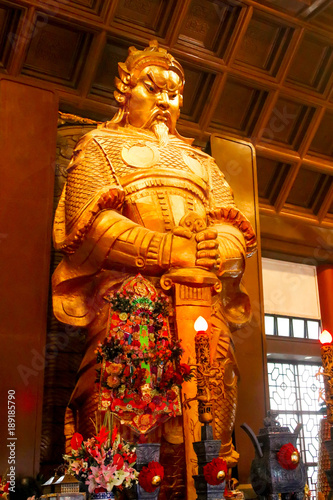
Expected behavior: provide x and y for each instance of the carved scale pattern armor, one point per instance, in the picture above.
(98, 162)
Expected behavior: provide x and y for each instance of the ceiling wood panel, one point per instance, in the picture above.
(258, 70)
(271, 176)
(322, 142)
(264, 44)
(94, 8)
(57, 52)
(151, 15)
(315, 74)
(308, 186)
(288, 123)
(324, 19)
(208, 25)
(103, 83)
(9, 19)
(290, 6)
(239, 107)
(196, 92)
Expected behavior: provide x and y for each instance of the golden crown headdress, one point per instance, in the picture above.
(136, 61)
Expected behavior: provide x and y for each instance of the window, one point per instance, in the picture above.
(292, 327)
(286, 326)
(294, 392)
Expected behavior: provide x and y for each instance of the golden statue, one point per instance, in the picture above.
(140, 199)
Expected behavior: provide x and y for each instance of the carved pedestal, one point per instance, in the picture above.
(207, 449)
(145, 453)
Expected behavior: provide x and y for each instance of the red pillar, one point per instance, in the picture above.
(28, 124)
(325, 288)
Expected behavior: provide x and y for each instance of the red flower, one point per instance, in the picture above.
(213, 468)
(6, 488)
(94, 452)
(99, 490)
(167, 375)
(178, 378)
(102, 435)
(288, 456)
(113, 381)
(147, 474)
(114, 368)
(76, 441)
(171, 394)
(127, 371)
(186, 371)
(131, 458)
(118, 461)
(114, 435)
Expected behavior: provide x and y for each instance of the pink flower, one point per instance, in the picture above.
(100, 456)
(92, 479)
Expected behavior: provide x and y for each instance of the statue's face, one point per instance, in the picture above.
(156, 97)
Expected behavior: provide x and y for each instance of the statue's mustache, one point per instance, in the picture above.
(158, 113)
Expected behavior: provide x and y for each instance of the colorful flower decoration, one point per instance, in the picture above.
(288, 456)
(215, 471)
(150, 477)
(103, 462)
(4, 489)
(141, 373)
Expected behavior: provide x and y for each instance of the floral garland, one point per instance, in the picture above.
(103, 462)
(141, 371)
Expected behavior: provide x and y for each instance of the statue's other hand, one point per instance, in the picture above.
(195, 249)
(208, 255)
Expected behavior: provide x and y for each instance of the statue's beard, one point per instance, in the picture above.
(161, 131)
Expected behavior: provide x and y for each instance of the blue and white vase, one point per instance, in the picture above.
(105, 495)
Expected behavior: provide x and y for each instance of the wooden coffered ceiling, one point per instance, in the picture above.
(255, 70)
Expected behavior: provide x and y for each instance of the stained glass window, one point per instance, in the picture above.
(294, 392)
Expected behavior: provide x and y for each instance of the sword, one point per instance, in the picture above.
(192, 290)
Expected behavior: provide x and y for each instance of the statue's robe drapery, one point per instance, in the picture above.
(125, 195)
